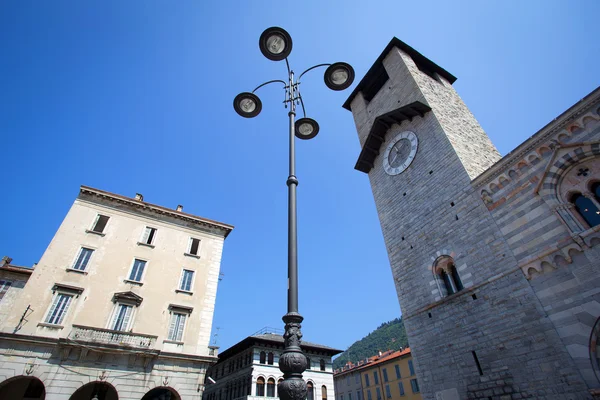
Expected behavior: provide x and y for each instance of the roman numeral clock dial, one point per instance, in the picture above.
(400, 152)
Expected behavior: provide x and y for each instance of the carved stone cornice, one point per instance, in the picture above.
(544, 135)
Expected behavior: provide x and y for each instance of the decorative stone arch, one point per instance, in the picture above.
(310, 389)
(446, 274)
(324, 392)
(20, 386)
(271, 387)
(569, 170)
(589, 120)
(544, 151)
(102, 389)
(575, 128)
(444, 262)
(260, 384)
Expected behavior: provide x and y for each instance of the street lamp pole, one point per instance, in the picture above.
(276, 44)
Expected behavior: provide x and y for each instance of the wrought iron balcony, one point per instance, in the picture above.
(107, 336)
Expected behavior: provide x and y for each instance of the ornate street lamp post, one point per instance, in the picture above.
(276, 44)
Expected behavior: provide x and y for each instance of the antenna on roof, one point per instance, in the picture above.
(216, 334)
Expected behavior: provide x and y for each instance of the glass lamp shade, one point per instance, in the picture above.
(275, 44)
(247, 104)
(339, 76)
(306, 128)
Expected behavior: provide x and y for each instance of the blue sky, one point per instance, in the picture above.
(136, 96)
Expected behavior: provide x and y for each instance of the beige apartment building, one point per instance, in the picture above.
(120, 305)
(386, 376)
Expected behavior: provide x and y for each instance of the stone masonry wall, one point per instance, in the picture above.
(431, 210)
(559, 258)
(62, 373)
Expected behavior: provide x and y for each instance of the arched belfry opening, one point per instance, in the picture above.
(447, 275)
(22, 388)
(95, 390)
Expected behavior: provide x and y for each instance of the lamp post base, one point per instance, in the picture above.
(292, 362)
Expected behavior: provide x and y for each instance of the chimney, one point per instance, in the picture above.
(5, 261)
(179, 207)
(139, 197)
(379, 353)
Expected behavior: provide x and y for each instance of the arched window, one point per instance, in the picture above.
(596, 190)
(310, 391)
(445, 269)
(587, 209)
(270, 358)
(456, 278)
(263, 357)
(323, 392)
(260, 386)
(271, 387)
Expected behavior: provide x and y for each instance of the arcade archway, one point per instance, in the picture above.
(95, 391)
(162, 393)
(22, 388)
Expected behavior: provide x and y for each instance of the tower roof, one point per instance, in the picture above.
(376, 76)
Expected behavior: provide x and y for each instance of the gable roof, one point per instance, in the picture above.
(377, 70)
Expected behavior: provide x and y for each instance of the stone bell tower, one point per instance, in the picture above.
(468, 310)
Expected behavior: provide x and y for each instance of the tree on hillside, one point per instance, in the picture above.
(388, 336)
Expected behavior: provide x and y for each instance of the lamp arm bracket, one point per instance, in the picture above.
(302, 103)
(266, 83)
(311, 68)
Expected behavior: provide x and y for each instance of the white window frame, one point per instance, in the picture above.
(96, 221)
(72, 267)
(173, 312)
(179, 286)
(113, 315)
(128, 279)
(54, 303)
(144, 238)
(189, 249)
(5, 285)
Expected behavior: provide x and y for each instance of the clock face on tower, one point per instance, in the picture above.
(400, 152)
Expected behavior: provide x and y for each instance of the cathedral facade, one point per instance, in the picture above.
(495, 259)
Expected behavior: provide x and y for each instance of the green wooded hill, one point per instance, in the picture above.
(388, 336)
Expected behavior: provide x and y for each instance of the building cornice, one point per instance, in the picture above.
(16, 269)
(541, 136)
(159, 210)
(41, 340)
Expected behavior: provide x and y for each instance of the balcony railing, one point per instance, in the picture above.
(108, 336)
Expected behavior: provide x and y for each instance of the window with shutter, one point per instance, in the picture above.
(122, 317)
(149, 234)
(186, 280)
(100, 224)
(4, 286)
(137, 270)
(82, 259)
(194, 245)
(60, 305)
(177, 326)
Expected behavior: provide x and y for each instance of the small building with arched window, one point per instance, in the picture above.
(249, 370)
